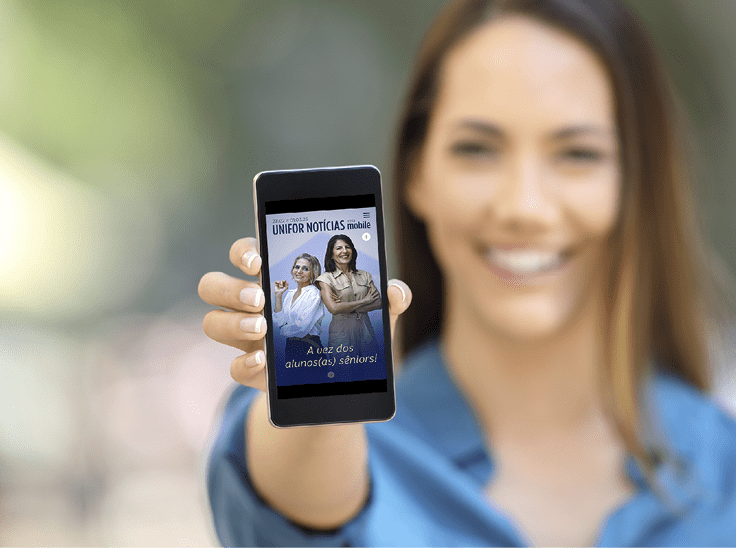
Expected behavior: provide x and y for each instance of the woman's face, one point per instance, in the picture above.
(302, 271)
(342, 253)
(519, 178)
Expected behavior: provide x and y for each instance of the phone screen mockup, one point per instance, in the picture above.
(318, 353)
(323, 364)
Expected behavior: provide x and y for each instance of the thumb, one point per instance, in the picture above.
(399, 299)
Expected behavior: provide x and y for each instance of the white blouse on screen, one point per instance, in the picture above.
(303, 317)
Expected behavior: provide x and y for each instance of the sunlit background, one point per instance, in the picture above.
(129, 135)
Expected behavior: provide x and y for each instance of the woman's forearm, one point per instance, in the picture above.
(298, 329)
(375, 304)
(316, 476)
(342, 308)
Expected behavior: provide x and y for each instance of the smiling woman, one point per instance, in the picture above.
(545, 192)
(349, 294)
(520, 188)
(557, 367)
(299, 312)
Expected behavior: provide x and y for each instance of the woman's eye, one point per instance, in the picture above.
(472, 149)
(581, 155)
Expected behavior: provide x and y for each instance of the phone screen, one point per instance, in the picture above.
(318, 245)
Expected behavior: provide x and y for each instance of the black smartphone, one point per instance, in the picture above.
(328, 342)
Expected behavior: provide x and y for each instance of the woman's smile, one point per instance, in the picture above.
(524, 264)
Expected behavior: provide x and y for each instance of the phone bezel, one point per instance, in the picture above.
(324, 182)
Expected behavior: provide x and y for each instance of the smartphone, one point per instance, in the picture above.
(328, 343)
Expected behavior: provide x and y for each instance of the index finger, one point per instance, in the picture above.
(244, 254)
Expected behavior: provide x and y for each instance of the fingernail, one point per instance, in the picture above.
(248, 257)
(255, 359)
(251, 296)
(403, 294)
(252, 325)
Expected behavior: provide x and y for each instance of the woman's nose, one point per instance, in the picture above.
(524, 197)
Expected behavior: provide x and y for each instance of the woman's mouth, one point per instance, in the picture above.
(524, 263)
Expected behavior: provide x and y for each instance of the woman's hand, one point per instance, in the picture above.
(372, 300)
(286, 464)
(241, 323)
(372, 295)
(280, 287)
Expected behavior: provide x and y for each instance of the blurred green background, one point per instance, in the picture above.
(129, 135)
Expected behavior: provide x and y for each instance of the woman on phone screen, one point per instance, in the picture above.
(299, 312)
(556, 358)
(349, 294)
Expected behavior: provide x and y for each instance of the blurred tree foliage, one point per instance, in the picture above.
(169, 108)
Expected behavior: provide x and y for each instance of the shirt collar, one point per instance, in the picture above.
(445, 416)
(337, 272)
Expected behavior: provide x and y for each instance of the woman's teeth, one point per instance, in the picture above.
(525, 262)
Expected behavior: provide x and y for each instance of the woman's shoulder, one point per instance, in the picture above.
(327, 277)
(680, 402)
(363, 276)
(311, 290)
(701, 428)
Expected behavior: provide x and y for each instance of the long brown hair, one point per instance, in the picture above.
(661, 296)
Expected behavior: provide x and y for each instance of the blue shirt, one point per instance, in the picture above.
(429, 465)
